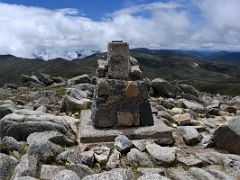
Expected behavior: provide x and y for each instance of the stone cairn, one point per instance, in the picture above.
(121, 96)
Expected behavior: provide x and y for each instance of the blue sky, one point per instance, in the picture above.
(65, 28)
(94, 9)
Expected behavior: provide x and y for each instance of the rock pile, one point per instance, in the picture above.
(121, 96)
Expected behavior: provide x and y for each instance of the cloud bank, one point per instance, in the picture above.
(37, 32)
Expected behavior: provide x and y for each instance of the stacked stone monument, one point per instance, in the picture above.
(121, 95)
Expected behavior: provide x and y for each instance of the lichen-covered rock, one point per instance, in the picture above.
(71, 156)
(66, 175)
(228, 136)
(7, 164)
(10, 143)
(26, 167)
(47, 145)
(49, 171)
(152, 177)
(190, 135)
(80, 79)
(114, 160)
(6, 108)
(162, 155)
(138, 158)
(101, 154)
(114, 174)
(20, 125)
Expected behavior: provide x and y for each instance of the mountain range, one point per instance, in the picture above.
(211, 71)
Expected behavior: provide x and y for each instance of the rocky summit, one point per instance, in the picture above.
(116, 125)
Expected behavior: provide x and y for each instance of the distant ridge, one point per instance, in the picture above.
(206, 71)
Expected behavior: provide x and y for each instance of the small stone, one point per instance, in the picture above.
(26, 167)
(123, 144)
(192, 105)
(114, 160)
(80, 79)
(219, 174)
(10, 143)
(191, 135)
(138, 158)
(7, 164)
(176, 111)
(162, 155)
(101, 154)
(189, 160)
(201, 174)
(79, 169)
(183, 119)
(178, 174)
(49, 171)
(66, 175)
(151, 170)
(114, 174)
(152, 177)
(42, 109)
(89, 157)
(131, 89)
(140, 144)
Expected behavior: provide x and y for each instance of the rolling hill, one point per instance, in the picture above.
(222, 76)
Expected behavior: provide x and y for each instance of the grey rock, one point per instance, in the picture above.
(152, 177)
(42, 109)
(6, 108)
(76, 93)
(25, 178)
(178, 174)
(211, 157)
(5, 92)
(72, 156)
(7, 164)
(115, 174)
(27, 167)
(26, 78)
(192, 105)
(80, 79)
(167, 115)
(89, 157)
(184, 119)
(140, 144)
(47, 145)
(10, 143)
(190, 135)
(220, 174)
(201, 174)
(45, 78)
(162, 155)
(161, 87)
(138, 158)
(49, 171)
(151, 170)
(190, 161)
(20, 125)
(188, 89)
(79, 169)
(101, 154)
(85, 87)
(123, 144)
(50, 95)
(114, 160)
(103, 88)
(66, 175)
(71, 104)
(135, 73)
(228, 136)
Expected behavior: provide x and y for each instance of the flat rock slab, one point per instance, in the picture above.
(89, 134)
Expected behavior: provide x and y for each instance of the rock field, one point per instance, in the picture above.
(39, 134)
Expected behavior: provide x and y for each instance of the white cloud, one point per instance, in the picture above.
(30, 31)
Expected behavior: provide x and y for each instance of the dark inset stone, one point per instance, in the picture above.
(118, 87)
(146, 117)
(104, 117)
(143, 88)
